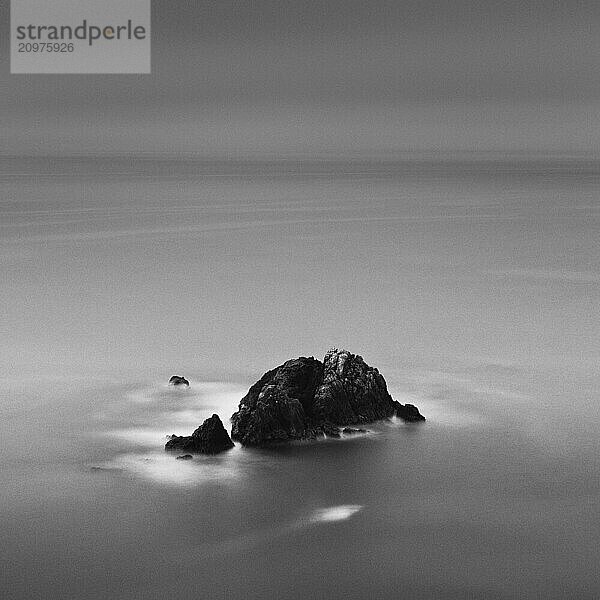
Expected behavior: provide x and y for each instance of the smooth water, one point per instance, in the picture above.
(472, 286)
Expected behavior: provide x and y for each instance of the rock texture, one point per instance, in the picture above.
(352, 431)
(210, 438)
(178, 380)
(276, 407)
(408, 412)
(305, 398)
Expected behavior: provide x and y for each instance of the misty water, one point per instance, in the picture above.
(473, 285)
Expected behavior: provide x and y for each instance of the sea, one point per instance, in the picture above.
(472, 282)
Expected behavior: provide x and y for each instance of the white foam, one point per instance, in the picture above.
(335, 513)
(163, 468)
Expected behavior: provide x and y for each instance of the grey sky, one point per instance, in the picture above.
(328, 78)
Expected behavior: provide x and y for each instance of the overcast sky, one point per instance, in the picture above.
(328, 78)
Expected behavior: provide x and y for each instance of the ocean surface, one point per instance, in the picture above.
(472, 284)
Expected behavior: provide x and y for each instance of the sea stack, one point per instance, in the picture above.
(305, 398)
(210, 438)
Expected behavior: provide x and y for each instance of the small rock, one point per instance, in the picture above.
(210, 438)
(330, 430)
(185, 457)
(352, 431)
(408, 412)
(178, 380)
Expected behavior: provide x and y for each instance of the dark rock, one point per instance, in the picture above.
(274, 409)
(304, 398)
(330, 430)
(351, 391)
(178, 380)
(210, 438)
(408, 412)
(352, 431)
(185, 457)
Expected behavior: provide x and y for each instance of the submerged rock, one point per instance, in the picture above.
(210, 438)
(178, 380)
(185, 457)
(304, 398)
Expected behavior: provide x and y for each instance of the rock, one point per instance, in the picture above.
(185, 457)
(352, 431)
(304, 398)
(178, 380)
(275, 408)
(408, 412)
(351, 391)
(210, 438)
(330, 430)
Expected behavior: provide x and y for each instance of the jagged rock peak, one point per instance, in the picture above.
(337, 360)
(352, 391)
